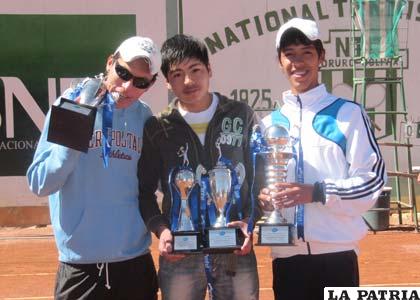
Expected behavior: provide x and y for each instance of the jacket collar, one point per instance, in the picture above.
(308, 98)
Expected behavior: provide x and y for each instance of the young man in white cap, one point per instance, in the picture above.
(339, 172)
(102, 241)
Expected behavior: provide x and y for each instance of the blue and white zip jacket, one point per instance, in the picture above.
(94, 210)
(339, 152)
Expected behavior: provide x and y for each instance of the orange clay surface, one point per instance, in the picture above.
(28, 261)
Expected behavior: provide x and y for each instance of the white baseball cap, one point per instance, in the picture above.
(141, 47)
(308, 27)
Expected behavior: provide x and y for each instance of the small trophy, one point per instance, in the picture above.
(279, 228)
(219, 237)
(72, 120)
(184, 190)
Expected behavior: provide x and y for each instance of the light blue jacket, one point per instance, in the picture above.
(94, 210)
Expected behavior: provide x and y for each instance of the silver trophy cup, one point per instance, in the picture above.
(92, 92)
(276, 166)
(186, 239)
(220, 187)
(219, 237)
(185, 180)
(277, 229)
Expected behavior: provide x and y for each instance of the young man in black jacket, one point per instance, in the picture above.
(197, 124)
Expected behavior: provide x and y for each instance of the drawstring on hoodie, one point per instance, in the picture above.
(100, 267)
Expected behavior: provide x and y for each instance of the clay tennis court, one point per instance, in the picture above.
(28, 261)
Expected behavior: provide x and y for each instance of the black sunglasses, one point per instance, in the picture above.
(138, 82)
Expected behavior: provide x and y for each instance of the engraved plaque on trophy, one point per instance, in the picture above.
(72, 122)
(279, 228)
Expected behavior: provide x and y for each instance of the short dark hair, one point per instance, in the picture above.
(294, 36)
(182, 47)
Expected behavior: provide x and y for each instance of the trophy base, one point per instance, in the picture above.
(186, 242)
(275, 234)
(223, 240)
(71, 124)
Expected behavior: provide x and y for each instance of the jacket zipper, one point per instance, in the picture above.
(308, 246)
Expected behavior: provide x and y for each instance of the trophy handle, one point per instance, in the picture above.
(256, 129)
(200, 171)
(240, 172)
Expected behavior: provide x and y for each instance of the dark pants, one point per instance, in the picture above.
(131, 279)
(304, 277)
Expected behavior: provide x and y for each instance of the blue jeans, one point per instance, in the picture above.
(186, 279)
